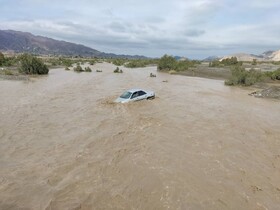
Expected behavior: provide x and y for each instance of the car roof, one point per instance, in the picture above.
(135, 89)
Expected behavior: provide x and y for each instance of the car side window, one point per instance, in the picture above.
(141, 93)
(134, 95)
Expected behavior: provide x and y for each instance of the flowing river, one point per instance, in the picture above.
(199, 144)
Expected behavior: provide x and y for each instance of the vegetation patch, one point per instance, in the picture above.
(118, 70)
(78, 68)
(239, 76)
(226, 62)
(140, 63)
(88, 69)
(30, 64)
(7, 61)
(274, 75)
(172, 72)
(168, 63)
(118, 62)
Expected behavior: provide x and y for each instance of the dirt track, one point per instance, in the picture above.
(198, 145)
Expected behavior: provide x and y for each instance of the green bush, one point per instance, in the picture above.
(118, 70)
(230, 61)
(254, 62)
(32, 65)
(118, 62)
(7, 72)
(135, 64)
(184, 65)
(78, 68)
(2, 59)
(214, 63)
(139, 63)
(239, 76)
(88, 69)
(225, 62)
(67, 62)
(172, 72)
(166, 63)
(274, 75)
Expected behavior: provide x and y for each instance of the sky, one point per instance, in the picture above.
(191, 28)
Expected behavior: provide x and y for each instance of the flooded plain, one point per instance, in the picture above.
(197, 145)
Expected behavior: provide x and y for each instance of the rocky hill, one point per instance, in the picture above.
(266, 56)
(18, 42)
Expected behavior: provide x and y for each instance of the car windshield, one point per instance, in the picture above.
(126, 95)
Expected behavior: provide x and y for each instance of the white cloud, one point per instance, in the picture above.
(183, 27)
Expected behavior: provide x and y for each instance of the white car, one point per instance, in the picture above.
(135, 95)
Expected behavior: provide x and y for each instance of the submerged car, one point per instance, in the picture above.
(135, 95)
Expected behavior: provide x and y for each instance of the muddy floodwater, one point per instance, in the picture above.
(198, 145)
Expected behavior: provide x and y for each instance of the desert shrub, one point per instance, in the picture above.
(67, 62)
(91, 62)
(214, 63)
(229, 61)
(118, 70)
(32, 65)
(276, 62)
(274, 75)
(239, 76)
(135, 64)
(67, 69)
(7, 61)
(166, 63)
(97, 70)
(225, 62)
(55, 62)
(118, 62)
(183, 65)
(253, 77)
(88, 69)
(254, 62)
(7, 72)
(2, 59)
(138, 63)
(172, 72)
(78, 68)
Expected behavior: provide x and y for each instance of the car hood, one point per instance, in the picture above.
(121, 100)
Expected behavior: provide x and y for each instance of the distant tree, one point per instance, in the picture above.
(254, 62)
(239, 76)
(2, 59)
(274, 75)
(88, 69)
(230, 61)
(78, 68)
(214, 63)
(166, 63)
(119, 62)
(32, 65)
(92, 62)
(118, 70)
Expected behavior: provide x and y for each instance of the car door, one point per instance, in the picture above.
(134, 96)
(142, 95)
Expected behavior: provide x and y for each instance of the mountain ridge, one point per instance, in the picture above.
(20, 42)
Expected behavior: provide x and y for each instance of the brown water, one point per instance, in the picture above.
(198, 145)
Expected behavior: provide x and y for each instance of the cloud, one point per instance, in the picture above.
(182, 27)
